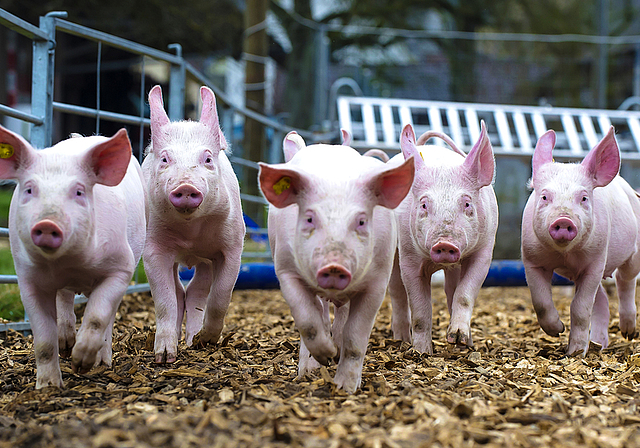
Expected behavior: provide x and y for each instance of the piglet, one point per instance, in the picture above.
(194, 219)
(333, 238)
(448, 221)
(581, 221)
(76, 225)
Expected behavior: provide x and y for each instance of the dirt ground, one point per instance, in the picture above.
(515, 389)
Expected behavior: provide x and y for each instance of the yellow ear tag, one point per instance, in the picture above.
(281, 185)
(6, 150)
(421, 156)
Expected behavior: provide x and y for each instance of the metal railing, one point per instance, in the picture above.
(514, 130)
(181, 72)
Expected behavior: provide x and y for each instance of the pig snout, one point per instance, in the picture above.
(444, 252)
(186, 198)
(563, 230)
(333, 276)
(46, 235)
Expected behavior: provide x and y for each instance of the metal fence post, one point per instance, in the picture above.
(42, 81)
(177, 81)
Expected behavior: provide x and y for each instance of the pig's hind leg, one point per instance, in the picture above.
(400, 311)
(196, 299)
(66, 322)
(626, 285)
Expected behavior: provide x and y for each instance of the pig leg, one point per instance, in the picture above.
(225, 273)
(162, 275)
(600, 318)
(471, 276)
(341, 314)
(41, 308)
(308, 313)
(95, 330)
(306, 362)
(180, 300)
(400, 312)
(451, 281)
(418, 286)
(355, 337)
(196, 299)
(539, 281)
(66, 322)
(626, 286)
(105, 354)
(581, 312)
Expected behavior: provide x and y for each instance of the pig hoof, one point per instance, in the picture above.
(65, 352)
(460, 338)
(324, 360)
(554, 330)
(165, 358)
(631, 335)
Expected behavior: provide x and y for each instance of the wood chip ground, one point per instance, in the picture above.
(514, 389)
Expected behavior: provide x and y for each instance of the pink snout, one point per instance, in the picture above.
(444, 252)
(563, 230)
(46, 235)
(186, 198)
(333, 276)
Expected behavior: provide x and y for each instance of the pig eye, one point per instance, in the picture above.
(28, 190)
(79, 193)
(164, 160)
(208, 160)
(544, 197)
(585, 199)
(309, 219)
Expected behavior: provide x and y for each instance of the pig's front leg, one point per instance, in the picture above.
(355, 337)
(472, 274)
(539, 281)
(400, 312)
(307, 310)
(341, 314)
(418, 286)
(161, 274)
(225, 273)
(196, 299)
(95, 332)
(66, 322)
(581, 311)
(41, 309)
(306, 362)
(599, 332)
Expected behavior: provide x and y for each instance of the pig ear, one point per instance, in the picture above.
(281, 186)
(603, 161)
(109, 160)
(480, 163)
(291, 144)
(346, 137)
(209, 115)
(15, 153)
(543, 153)
(391, 185)
(159, 117)
(408, 146)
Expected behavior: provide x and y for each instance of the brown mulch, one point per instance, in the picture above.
(515, 389)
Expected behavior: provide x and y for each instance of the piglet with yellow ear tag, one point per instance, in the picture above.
(333, 237)
(76, 225)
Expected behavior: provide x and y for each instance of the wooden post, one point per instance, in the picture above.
(255, 49)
